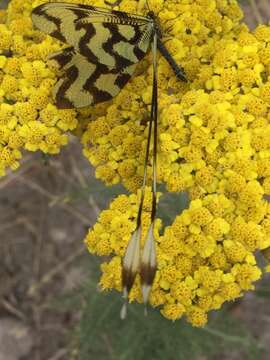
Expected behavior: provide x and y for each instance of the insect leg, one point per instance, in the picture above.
(179, 72)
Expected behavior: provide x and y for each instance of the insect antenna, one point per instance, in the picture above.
(170, 26)
(147, 4)
(142, 4)
(112, 5)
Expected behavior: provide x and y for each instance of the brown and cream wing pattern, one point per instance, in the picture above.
(104, 48)
(108, 37)
(85, 83)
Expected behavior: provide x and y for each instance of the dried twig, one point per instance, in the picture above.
(55, 271)
(79, 175)
(266, 9)
(256, 12)
(13, 310)
(60, 354)
(13, 176)
(39, 242)
(10, 225)
(55, 200)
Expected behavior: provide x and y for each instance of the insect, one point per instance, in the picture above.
(104, 47)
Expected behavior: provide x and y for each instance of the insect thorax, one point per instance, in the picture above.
(156, 23)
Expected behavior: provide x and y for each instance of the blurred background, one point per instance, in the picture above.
(50, 306)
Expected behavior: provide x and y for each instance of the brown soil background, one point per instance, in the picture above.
(46, 208)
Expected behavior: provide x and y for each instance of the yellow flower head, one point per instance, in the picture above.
(213, 143)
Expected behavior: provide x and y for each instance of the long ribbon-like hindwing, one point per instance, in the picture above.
(104, 47)
(148, 263)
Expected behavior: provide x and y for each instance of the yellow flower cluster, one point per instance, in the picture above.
(197, 120)
(28, 117)
(213, 143)
(205, 258)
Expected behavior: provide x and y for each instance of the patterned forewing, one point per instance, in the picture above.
(85, 83)
(108, 37)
